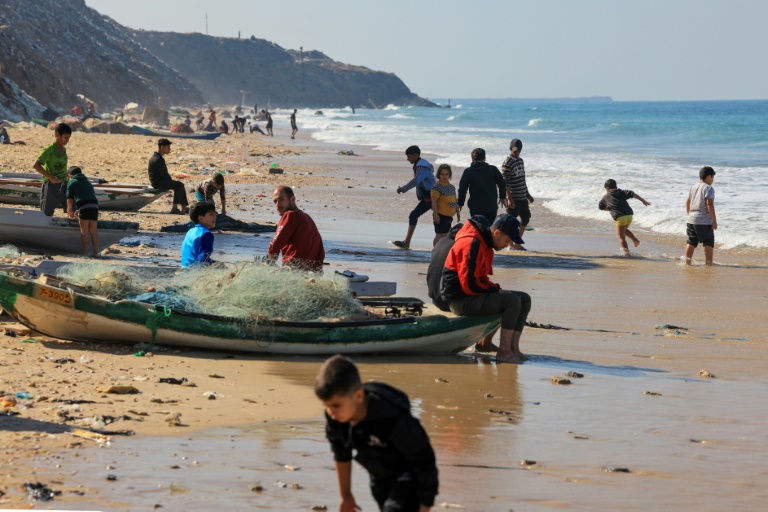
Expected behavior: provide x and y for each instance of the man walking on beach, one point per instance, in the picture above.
(468, 291)
(702, 221)
(294, 128)
(485, 185)
(423, 180)
(297, 236)
(160, 178)
(517, 195)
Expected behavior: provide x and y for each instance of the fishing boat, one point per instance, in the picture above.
(62, 310)
(167, 133)
(32, 229)
(111, 196)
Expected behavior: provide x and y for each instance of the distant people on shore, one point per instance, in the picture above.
(160, 179)
(206, 189)
(254, 127)
(466, 288)
(615, 201)
(518, 197)
(197, 247)
(294, 128)
(702, 221)
(52, 165)
(224, 128)
(297, 236)
(268, 118)
(6, 139)
(444, 203)
(423, 180)
(83, 204)
(188, 121)
(485, 186)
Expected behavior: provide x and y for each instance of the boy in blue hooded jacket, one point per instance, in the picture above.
(197, 246)
(423, 180)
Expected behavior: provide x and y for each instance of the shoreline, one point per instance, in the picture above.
(612, 304)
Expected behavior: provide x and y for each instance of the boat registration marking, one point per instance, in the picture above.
(54, 295)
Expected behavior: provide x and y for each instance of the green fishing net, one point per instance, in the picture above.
(253, 292)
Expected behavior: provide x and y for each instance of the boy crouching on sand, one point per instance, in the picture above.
(197, 246)
(374, 420)
(82, 202)
(615, 201)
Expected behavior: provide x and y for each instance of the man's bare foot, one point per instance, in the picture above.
(485, 347)
(507, 357)
(521, 356)
(400, 244)
(636, 242)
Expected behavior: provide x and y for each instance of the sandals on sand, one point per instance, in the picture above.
(400, 244)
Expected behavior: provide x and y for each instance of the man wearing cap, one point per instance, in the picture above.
(468, 291)
(485, 185)
(518, 196)
(160, 179)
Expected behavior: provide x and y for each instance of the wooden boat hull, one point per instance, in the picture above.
(66, 314)
(164, 133)
(32, 229)
(109, 199)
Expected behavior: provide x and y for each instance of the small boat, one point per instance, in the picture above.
(32, 229)
(167, 133)
(66, 311)
(112, 196)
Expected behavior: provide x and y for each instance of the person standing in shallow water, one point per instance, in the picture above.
(423, 180)
(294, 128)
(702, 221)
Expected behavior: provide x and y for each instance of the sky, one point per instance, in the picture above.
(652, 50)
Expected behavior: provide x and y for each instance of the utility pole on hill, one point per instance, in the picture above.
(206, 23)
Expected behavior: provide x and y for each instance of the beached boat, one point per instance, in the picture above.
(32, 229)
(168, 133)
(112, 196)
(66, 311)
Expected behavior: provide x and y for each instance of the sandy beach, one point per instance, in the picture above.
(670, 418)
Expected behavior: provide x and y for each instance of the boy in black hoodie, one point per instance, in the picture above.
(374, 420)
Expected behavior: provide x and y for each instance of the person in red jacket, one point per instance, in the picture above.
(297, 236)
(466, 288)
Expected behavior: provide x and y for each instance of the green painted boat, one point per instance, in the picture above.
(64, 311)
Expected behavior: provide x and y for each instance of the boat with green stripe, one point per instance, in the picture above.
(61, 310)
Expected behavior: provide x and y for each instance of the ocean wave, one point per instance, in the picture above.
(534, 122)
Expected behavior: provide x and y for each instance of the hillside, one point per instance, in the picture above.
(222, 67)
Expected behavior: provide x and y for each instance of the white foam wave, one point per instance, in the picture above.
(534, 122)
(400, 116)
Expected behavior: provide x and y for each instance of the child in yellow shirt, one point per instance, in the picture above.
(444, 203)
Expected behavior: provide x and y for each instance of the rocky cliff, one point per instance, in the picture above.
(223, 67)
(56, 50)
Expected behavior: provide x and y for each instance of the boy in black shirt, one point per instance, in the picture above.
(615, 201)
(374, 420)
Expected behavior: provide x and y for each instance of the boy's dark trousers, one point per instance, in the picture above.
(396, 494)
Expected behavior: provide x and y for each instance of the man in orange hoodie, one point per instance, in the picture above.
(468, 291)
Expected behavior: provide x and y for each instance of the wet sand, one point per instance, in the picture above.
(689, 442)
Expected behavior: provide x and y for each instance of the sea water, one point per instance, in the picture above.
(571, 147)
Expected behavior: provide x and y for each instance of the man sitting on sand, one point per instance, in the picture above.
(160, 179)
(435, 275)
(297, 236)
(468, 291)
(197, 247)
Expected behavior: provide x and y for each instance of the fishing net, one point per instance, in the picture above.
(252, 292)
(9, 251)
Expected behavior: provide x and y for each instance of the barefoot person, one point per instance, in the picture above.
(423, 180)
(615, 201)
(702, 221)
(468, 291)
(297, 236)
(435, 275)
(82, 203)
(294, 128)
(518, 197)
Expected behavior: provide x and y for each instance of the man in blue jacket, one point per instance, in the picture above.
(423, 180)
